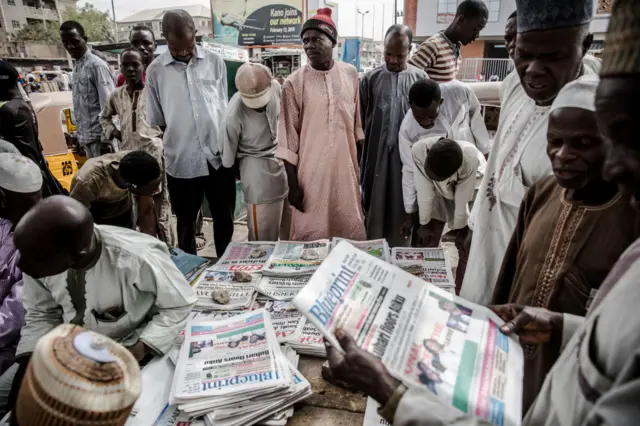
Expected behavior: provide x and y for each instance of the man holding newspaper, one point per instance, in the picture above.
(595, 381)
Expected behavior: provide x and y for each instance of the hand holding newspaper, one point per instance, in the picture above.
(425, 336)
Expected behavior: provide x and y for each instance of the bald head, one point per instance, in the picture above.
(397, 45)
(180, 32)
(177, 21)
(54, 236)
(399, 30)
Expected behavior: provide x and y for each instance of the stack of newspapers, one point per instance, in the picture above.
(429, 264)
(426, 337)
(232, 282)
(233, 372)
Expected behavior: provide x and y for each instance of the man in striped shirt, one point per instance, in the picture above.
(439, 56)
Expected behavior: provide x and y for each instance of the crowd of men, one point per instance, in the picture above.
(544, 216)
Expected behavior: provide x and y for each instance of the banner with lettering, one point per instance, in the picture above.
(268, 23)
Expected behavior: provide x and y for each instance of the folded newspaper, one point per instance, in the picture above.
(307, 339)
(296, 258)
(239, 287)
(430, 264)
(282, 288)
(376, 248)
(245, 256)
(371, 416)
(425, 336)
(284, 317)
(233, 372)
(189, 264)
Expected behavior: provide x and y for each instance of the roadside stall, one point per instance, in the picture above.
(283, 62)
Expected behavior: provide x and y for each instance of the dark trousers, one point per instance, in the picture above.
(124, 220)
(186, 199)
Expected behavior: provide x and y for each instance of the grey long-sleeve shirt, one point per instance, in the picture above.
(92, 84)
(250, 137)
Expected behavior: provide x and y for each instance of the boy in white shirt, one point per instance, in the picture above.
(446, 175)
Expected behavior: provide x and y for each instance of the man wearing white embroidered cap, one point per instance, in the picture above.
(20, 189)
(248, 136)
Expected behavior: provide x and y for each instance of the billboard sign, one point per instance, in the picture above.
(257, 22)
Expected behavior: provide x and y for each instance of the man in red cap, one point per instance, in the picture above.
(317, 135)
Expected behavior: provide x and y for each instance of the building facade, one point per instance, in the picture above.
(152, 18)
(371, 51)
(487, 57)
(427, 17)
(17, 14)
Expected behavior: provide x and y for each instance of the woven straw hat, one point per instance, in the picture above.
(621, 54)
(78, 378)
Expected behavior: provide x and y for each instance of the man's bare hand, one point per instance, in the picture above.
(532, 325)
(360, 369)
(407, 226)
(139, 351)
(116, 134)
(426, 237)
(296, 199)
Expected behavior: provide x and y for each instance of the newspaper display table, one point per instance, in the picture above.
(327, 404)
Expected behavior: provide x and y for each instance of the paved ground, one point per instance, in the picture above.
(329, 405)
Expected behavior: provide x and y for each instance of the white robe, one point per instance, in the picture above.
(518, 159)
(460, 119)
(133, 292)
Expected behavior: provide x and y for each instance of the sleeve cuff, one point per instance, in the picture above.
(389, 410)
(287, 155)
(410, 208)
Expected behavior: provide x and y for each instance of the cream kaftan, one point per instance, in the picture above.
(318, 129)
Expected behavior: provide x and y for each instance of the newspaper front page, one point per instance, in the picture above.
(282, 288)
(240, 286)
(296, 258)
(425, 336)
(284, 317)
(430, 264)
(376, 248)
(245, 256)
(231, 356)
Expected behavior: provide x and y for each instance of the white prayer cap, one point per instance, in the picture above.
(19, 173)
(580, 93)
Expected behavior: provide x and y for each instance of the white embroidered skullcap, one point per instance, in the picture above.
(580, 93)
(19, 173)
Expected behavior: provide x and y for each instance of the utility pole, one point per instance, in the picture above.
(115, 24)
(395, 12)
(363, 15)
(383, 13)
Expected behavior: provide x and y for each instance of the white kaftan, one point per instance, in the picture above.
(133, 292)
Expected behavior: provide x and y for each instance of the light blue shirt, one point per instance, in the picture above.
(92, 84)
(190, 100)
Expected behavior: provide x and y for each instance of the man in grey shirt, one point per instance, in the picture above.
(92, 84)
(248, 135)
(187, 96)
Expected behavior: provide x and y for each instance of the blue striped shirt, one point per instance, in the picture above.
(190, 100)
